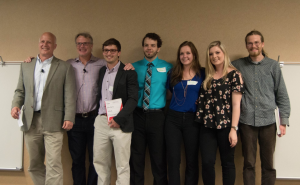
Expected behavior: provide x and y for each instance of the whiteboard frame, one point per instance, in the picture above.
(282, 141)
(10, 96)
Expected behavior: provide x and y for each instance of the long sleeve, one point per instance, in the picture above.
(132, 98)
(70, 95)
(281, 95)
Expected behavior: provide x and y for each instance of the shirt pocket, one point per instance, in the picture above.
(159, 77)
(267, 81)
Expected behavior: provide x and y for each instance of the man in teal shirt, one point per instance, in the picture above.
(149, 115)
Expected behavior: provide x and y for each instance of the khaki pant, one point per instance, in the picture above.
(40, 143)
(105, 140)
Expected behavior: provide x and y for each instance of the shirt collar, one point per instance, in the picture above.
(256, 63)
(47, 61)
(92, 59)
(116, 68)
(154, 62)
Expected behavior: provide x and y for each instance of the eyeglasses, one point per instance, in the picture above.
(255, 43)
(112, 51)
(82, 43)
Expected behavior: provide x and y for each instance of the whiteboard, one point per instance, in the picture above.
(287, 152)
(11, 138)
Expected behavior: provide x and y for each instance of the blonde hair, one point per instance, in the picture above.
(210, 68)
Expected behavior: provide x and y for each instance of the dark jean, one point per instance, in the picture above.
(181, 126)
(80, 137)
(266, 137)
(148, 131)
(210, 140)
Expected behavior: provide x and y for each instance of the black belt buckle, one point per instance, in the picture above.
(85, 114)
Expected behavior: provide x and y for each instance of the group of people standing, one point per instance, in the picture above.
(207, 109)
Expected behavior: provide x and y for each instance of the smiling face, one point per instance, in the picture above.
(47, 45)
(111, 54)
(216, 56)
(150, 48)
(84, 46)
(186, 56)
(254, 45)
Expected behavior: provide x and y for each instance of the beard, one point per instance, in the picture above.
(255, 53)
(150, 56)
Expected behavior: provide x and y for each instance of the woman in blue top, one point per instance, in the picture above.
(183, 86)
(218, 113)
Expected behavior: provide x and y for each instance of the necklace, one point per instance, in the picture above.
(177, 100)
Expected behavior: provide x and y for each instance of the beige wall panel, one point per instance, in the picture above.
(22, 23)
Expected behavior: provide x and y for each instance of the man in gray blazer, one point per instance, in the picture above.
(46, 90)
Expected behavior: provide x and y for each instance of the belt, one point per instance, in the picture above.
(38, 111)
(103, 114)
(149, 110)
(87, 114)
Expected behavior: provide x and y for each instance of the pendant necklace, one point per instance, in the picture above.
(177, 100)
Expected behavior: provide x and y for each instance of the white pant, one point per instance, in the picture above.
(106, 139)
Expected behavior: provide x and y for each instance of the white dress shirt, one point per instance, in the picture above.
(41, 72)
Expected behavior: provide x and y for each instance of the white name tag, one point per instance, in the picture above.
(161, 70)
(111, 88)
(192, 83)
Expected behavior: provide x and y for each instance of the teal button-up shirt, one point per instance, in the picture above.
(158, 82)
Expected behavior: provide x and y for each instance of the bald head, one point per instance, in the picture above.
(50, 35)
(47, 45)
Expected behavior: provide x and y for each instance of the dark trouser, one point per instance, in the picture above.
(80, 137)
(148, 130)
(266, 137)
(180, 125)
(210, 140)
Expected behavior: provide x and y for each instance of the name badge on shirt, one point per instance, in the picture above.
(161, 70)
(192, 83)
(111, 88)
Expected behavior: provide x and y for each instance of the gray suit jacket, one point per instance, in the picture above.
(59, 96)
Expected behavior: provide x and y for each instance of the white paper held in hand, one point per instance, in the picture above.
(113, 107)
(20, 122)
(277, 119)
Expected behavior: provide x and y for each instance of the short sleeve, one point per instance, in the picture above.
(237, 84)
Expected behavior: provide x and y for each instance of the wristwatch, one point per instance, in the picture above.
(235, 128)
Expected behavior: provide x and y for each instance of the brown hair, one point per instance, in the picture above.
(255, 32)
(153, 36)
(178, 69)
(85, 35)
(112, 41)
